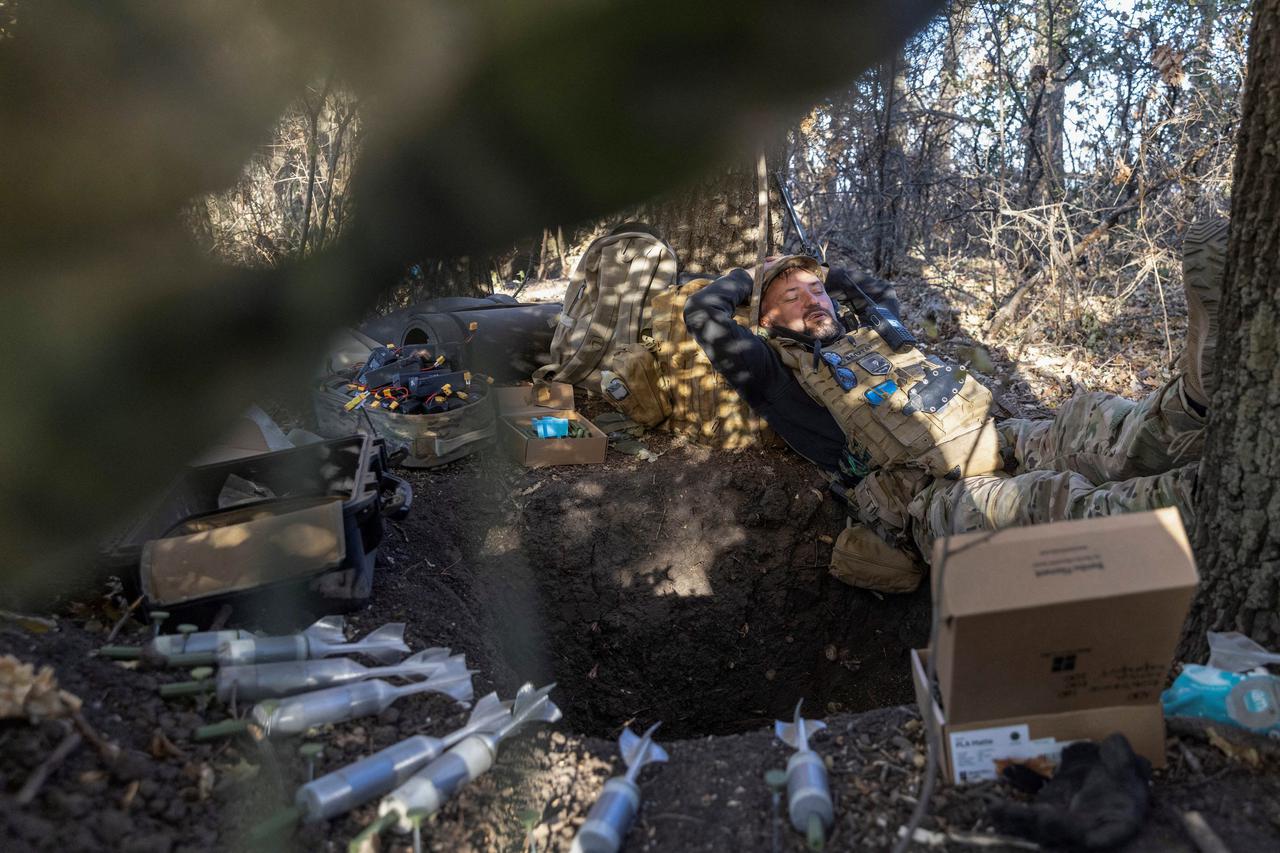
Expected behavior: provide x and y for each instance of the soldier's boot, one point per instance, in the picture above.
(1204, 254)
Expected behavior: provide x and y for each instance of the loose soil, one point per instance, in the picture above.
(691, 589)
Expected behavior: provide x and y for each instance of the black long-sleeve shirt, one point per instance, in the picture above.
(756, 371)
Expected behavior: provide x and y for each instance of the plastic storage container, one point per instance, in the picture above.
(338, 490)
(418, 441)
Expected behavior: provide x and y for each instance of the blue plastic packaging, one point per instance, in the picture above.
(551, 427)
(1248, 700)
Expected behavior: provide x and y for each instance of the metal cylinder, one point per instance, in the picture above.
(372, 776)
(284, 678)
(262, 650)
(296, 714)
(807, 791)
(390, 327)
(509, 343)
(201, 642)
(429, 788)
(609, 819)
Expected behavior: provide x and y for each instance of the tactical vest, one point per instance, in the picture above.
(898, 409)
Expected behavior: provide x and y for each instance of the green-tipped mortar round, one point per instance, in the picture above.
(222, 729)
(192, 659)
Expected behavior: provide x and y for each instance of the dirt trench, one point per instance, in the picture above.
(692, 589)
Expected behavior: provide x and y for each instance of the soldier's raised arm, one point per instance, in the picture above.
(743, 359)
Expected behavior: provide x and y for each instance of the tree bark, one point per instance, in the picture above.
(542, 253)
(1237, 536)
(560, 248)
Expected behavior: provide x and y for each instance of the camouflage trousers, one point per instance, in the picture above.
(1099, 455)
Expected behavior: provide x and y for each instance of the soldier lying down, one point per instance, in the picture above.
(909, 438)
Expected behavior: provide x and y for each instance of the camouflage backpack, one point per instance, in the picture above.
(606, 305)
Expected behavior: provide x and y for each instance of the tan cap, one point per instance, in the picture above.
(775, 268)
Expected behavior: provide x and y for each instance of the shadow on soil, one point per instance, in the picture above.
(692, 589)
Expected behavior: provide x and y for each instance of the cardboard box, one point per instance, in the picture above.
(977, 750)
(1062, 631)
(517, 409)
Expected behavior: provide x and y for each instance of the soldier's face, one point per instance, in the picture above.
(798, 301)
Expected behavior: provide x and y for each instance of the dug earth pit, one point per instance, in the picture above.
(692, 589)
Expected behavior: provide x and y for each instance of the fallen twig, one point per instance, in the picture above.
(162, 747)
(221, 619)
(108, 750)
(975, 839)
(673, 816)
(130, 794)
(38, 776)
(931, 838)
(1235, 742)
(123, 619)
(1206, 840)
(1190, 759)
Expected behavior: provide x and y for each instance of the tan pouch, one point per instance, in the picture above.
(861, 558)
(631, 385)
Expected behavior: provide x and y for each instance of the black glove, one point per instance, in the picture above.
(1097, 800)
(847, 284)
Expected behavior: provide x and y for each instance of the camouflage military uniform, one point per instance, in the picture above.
(914, 434)
(1100, 455)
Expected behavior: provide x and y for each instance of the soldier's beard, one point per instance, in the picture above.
(821, 325)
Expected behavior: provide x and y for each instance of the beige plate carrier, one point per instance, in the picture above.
(960, 439)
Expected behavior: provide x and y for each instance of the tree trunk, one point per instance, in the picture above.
(1046, 104)
(1237, 537)
(949, 85)
(560, 252)
(714, 225)
(1200, 68)
(335, 154)
(542, 253)
(313, 151)
(893, 85)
